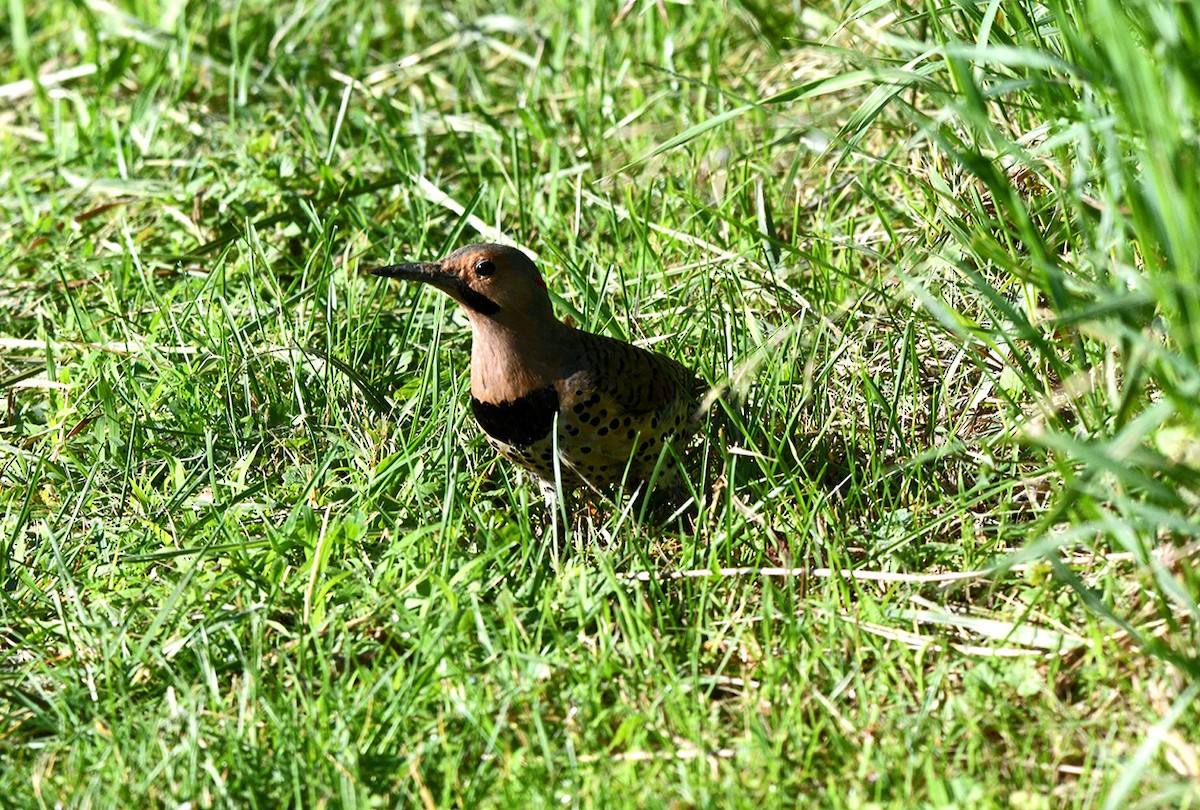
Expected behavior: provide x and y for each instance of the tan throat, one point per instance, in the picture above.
(507, 364)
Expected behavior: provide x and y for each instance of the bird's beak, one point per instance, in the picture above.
(429, 272)
(436, 275)
(432, 273)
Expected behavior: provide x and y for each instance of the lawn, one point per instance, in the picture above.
(941, 261)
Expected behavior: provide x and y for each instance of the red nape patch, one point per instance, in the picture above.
(540, 283)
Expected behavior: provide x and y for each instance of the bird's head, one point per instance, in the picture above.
(494, 282)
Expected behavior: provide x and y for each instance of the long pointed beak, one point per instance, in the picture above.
(429, 272)
(434, 274)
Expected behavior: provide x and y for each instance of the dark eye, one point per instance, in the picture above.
(485, 267)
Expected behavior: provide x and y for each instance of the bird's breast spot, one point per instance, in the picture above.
(521, 421)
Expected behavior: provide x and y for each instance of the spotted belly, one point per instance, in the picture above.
(521, 429)
(596, 440)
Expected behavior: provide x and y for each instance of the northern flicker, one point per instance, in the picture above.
(539, 385)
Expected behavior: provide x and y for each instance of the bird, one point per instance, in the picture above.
(572, 408)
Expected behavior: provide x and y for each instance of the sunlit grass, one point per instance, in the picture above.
(254, 551)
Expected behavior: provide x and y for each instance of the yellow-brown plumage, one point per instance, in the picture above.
(613, 404)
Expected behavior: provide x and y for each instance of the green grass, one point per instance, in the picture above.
(253, 551)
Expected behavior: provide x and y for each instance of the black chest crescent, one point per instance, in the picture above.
(520, 421)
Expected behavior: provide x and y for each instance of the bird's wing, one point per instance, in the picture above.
(640, 381)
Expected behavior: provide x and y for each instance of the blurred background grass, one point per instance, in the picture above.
(254, 552)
